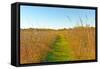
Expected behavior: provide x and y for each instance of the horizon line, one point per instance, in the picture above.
(58, 28)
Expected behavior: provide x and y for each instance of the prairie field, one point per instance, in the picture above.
(50, 45)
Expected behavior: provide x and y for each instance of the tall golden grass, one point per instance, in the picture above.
(36, 43)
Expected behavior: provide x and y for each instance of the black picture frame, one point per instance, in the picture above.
(15, 33)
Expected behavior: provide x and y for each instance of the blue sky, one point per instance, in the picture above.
(55, 18)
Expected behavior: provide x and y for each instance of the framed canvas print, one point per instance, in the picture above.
(52, 34)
